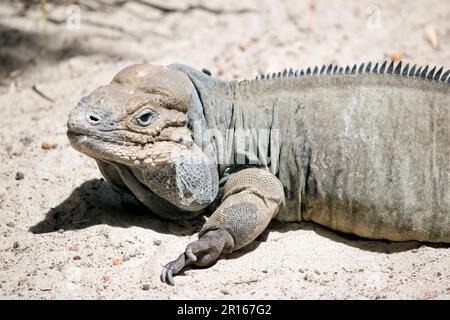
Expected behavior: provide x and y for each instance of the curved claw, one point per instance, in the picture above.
(167, 276)
(190, 255)
(175, 266)
(170, 277)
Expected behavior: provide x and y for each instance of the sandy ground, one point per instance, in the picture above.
(63, 229)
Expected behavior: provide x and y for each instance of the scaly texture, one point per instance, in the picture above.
(364, 153)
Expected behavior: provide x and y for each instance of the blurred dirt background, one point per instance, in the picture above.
(64, 233)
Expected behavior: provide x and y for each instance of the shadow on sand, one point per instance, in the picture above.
(95, 203)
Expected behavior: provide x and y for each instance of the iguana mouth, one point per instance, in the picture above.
(76, 135)
(102, 147)
(107, 148)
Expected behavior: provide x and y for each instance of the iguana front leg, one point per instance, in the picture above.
(251, 199)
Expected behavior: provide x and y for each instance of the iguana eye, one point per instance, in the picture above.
(145, 117)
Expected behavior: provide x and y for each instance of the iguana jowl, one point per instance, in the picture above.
(363, 150)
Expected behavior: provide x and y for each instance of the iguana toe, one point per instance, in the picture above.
(174, 267)
(167, 276)
(203, 252)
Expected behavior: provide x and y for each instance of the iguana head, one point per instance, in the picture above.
(138, 124)
(140, 117)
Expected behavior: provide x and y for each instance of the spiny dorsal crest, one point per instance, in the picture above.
(406, 71)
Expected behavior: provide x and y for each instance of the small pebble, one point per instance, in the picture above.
(157, 242)
(46, 288)
(77, 258)
(396, 56)
(317, 272)
(16, 245)
(264, 271)
(60, 231)
(19, 175)
(11, 224)
(74, 248)
(301, 270)
(414, 250)
(438, 274)
(47, 145)
(225, 292)
(117, 262)
(146, 287)
(206, 71)
(106, 278)
(432, 36)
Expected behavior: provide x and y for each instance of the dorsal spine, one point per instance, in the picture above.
(399, 69)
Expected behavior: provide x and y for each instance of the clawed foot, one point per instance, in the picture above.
(203, 252)
(172, 268)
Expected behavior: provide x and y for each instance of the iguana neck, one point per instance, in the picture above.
(211, 111)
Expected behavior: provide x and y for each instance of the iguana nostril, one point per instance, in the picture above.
(93, 119)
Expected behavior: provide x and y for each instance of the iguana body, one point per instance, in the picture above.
(363, 151)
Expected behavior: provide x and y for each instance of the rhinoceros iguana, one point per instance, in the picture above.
(362, 150)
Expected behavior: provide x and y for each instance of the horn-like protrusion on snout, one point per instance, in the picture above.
(174, 86)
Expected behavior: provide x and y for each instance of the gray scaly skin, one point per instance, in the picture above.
(362, 150)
